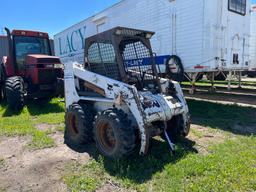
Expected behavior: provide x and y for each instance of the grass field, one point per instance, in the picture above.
(24, 123)
(203, 83)
(219, 154)
(219, 82)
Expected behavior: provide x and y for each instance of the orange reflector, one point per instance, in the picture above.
(199, 67)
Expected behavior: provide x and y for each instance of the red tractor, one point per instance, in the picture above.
(30, 70)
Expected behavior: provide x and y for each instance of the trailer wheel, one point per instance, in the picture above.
(113, 133)
(15, 93)
(78, 131)
(175, 69)
(175, 129)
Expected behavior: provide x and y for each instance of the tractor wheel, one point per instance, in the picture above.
(174, 129)
(15, 93)
(79, 125)
(2, 82)
(1, 93)
(113, 134)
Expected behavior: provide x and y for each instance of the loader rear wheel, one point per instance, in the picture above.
(113, 133)
(15, 93)
(78, 131)
(174, 129)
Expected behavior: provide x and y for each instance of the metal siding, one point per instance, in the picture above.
(253, 40)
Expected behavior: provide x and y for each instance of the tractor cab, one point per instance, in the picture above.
(30, 56)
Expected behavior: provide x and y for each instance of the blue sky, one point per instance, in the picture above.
(51, 16)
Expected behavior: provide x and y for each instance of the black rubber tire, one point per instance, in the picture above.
(2, 94)
(2, 82)
(174, 129)
(15, 93)
(79, 125)
(251, 74)
(123, 133)
(179, 76)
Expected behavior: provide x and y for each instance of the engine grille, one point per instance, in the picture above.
(48, 60)
(46, 76)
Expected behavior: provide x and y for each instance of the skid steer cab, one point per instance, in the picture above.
(29, 70)
(114, 103)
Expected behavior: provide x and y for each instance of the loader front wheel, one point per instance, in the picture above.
(78, 131)
(15, 93)
(113, 134)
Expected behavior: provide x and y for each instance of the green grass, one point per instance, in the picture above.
(224, 117)
(40, 140)
(229, 165)
(222, 170)
(221, 83)
(23, 123)
(1, 162)
(197, 133)
(78, 179)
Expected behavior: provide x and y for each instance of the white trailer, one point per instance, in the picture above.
(253, 40)
(207, 35)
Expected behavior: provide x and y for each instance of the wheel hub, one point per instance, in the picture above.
(73, 127)
(107, 137)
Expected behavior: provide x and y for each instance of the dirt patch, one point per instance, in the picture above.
(204, 138)
(45, 127)
(39, 170)
(50, 128)
(110, 187)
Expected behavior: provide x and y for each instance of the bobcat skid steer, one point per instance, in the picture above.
(117, 98)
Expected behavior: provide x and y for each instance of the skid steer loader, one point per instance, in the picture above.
(117, 98)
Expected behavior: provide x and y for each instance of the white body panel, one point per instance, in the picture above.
(253, 39)
(203, 33)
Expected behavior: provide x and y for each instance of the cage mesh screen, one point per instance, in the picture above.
(102, 60)
(137, 60)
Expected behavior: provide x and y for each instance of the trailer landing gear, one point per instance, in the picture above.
(193, 78)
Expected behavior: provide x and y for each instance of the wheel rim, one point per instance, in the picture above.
(173, 67)
(106, 136)
(73, 124)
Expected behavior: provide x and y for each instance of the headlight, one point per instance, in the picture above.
(58, 66)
